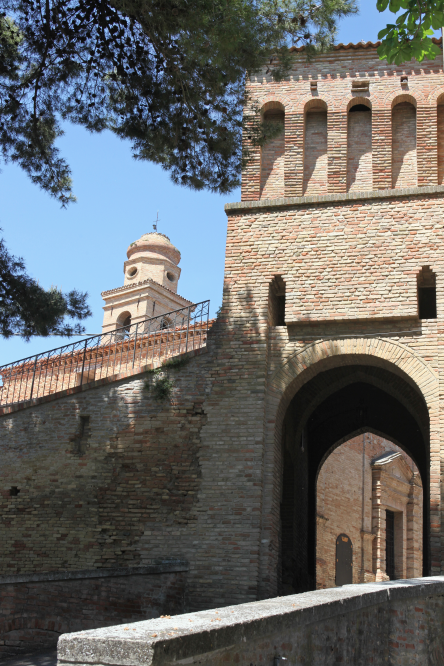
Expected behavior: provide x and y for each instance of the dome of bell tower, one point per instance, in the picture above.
(154, 243)
(153, 256)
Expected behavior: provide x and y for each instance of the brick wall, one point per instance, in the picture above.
(395, 163)
(359, 152)
(340, 496)
(135, 475)
(272, 163)
(404, 159)
(440, 112)
(315, 152)
(35, 610)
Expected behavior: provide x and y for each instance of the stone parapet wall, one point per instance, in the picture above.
(388, 623)
(36, 609)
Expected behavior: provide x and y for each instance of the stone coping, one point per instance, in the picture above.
(183, 637)
(97, 383)
(164, 566)
(332, 198)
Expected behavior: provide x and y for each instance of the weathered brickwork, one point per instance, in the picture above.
(34, 613)
(86, 503)
(343, 79)
(348, 503)
(319, 340)
(272, 162)
(441, 143)
(316, 162)
(359, 152)
(404, 162)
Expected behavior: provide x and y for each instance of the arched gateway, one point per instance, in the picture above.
(322, 395)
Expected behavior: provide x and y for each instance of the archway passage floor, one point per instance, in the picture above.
(41, 658)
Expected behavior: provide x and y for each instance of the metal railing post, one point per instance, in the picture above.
(83, 363)
(135, 344)
(103, 347)
(33, 377)
(188, 328)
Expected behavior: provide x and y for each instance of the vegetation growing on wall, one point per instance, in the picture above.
(161, 385)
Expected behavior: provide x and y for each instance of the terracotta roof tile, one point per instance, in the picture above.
(359, 45)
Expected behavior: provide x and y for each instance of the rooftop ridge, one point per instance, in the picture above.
(358, 45)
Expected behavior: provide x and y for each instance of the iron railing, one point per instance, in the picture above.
(149, 341)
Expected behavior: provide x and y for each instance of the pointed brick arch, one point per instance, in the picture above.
(303, 365)
(298, 369)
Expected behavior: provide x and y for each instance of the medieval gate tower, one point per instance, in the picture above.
(331, 326)
(333, 265)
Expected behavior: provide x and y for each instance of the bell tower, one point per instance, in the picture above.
(151, 276)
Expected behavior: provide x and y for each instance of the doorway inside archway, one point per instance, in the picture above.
(335, 406)
(369, 506)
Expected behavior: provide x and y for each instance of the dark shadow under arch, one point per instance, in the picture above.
(332, 407)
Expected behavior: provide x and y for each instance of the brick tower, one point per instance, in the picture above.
(334, 266)
(150, 288)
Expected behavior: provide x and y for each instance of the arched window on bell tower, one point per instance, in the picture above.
(123, 325)
(426, 283)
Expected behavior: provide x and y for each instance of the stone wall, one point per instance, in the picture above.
(382, 624)
(36, 609)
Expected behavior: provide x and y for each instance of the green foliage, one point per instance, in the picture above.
(176, 363)
(28, 310)
(167, 75)
(161, 386)
(411, 35)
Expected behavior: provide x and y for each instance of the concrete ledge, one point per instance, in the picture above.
(165, 566)
(10, 409)
(211, 636)
(288, 202)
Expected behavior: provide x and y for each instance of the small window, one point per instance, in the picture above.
(14, 491)
(426, 293)
(170, 277)
(276, 302)
(132, 271)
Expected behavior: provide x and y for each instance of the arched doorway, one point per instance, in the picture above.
(369, 489)
(326, 411)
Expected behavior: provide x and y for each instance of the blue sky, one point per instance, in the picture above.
(84, 247)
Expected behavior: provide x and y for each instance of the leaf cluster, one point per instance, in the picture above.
(26, 309)
(167, 75)
(162, 385)
(411, 35)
